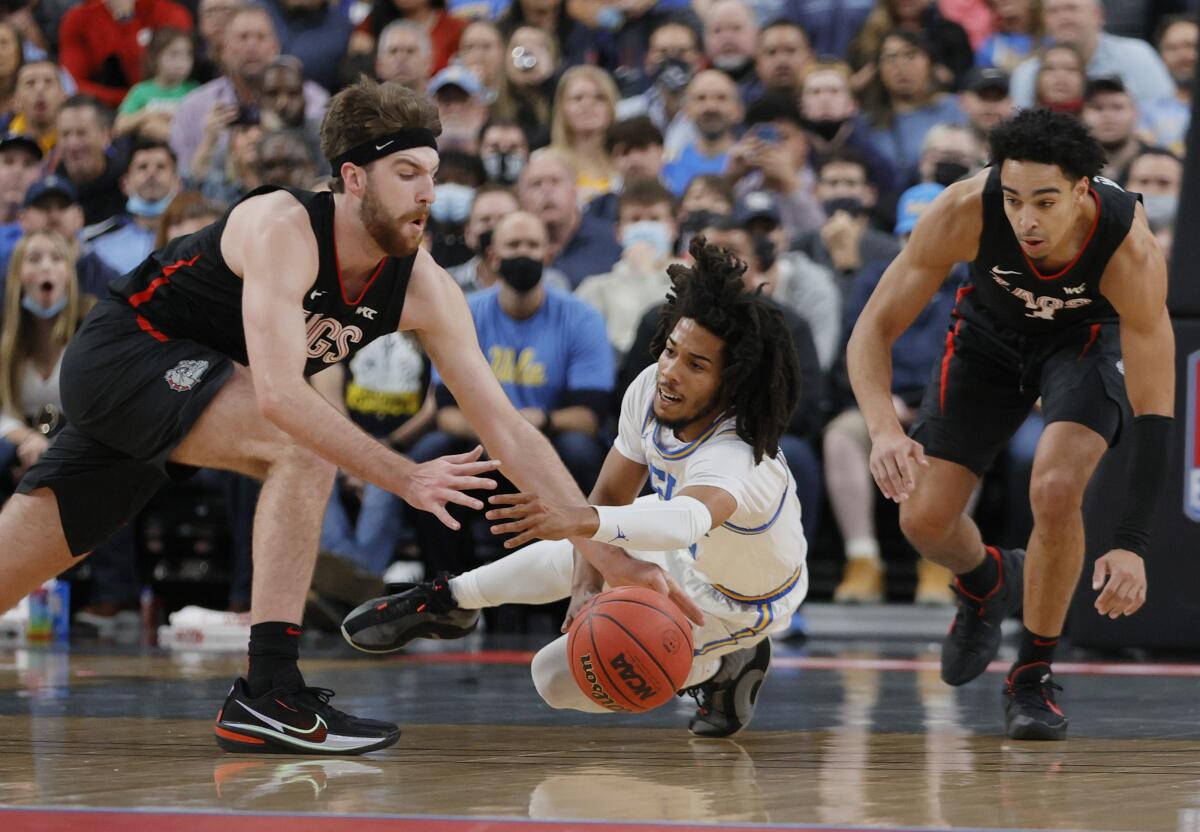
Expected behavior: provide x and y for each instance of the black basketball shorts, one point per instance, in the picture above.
(130, 395)
(986, 384)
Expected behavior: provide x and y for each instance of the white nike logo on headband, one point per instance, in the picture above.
(385, 144)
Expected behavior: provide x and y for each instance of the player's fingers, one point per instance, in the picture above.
(439, 511)
(470, 483)
(474, 469)
(469, 456)
(919, 454)
(879, 473)
(908, 469)
(1099, 573)
(1108, 598)
(521, 539)
(520, 498)
(895, 478)
(513, 526)
(686, 605)
(1138, 601)
(506, 513)
(458, 498)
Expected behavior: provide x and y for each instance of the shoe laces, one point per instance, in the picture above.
(703, 694)
(1037, 691)
(321, 697)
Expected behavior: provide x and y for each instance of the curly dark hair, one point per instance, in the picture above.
(760, 381)
(1048, 138)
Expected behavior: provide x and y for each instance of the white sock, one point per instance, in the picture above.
(538, 574)
(862, 548)
(552, 677)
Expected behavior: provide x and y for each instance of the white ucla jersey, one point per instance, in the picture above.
(759, 551)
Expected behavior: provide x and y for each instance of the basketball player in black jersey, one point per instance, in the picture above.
(198, 358)
(1066, 302)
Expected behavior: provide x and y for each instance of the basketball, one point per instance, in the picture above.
(630, 649)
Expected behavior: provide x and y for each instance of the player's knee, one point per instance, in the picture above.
(924, 524)
(1055, 493)
(552, 679)
(295, 456)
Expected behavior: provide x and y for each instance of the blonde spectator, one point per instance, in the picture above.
(151, 105)
(1061, 77)
(530, 67)
(584, 107)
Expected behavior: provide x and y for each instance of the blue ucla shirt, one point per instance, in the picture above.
(563, 347)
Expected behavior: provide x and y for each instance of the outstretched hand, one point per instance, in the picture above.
(531, 517)
(431, 485)
(634, 572)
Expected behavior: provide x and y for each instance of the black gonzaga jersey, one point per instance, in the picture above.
(185, 290)
(1011, 292)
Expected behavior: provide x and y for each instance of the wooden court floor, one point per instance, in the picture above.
(98, 738)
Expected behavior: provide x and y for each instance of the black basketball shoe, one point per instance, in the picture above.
(1030, 712)
(974, 637)
(727, 700)
(296, 720)
(424, 610)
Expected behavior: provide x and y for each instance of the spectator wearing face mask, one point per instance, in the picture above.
(548, 351)
(503, 150)
(1157, 174)
(847, 239)
(949, 153)
(150, 183)
(646, 231)
(672, 60)
(459, 174)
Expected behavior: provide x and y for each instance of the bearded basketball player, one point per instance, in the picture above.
(198, 358)
(1066, 302)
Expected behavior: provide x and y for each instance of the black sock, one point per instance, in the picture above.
(1035, 649)
(274, 651)
(984, 578)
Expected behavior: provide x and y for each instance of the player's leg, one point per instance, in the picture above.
(448, 607)
(35, 547)
(552, 677)
(934, 518)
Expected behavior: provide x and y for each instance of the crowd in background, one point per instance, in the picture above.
(583, 144)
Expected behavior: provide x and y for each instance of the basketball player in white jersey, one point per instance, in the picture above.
(704, 425)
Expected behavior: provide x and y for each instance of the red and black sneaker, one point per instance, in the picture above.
(299, 721)
(974, 637)
(424, 610)
(1030, 712)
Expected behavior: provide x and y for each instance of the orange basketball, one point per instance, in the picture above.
(630, 649)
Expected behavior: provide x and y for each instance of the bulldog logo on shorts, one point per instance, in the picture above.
(185, 375)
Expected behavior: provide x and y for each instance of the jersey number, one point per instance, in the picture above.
(1044, 306)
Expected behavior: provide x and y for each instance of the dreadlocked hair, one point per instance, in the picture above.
(760, 382)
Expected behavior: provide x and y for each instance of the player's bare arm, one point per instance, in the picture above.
(272, 246)
(947, 233)
(1135, 282)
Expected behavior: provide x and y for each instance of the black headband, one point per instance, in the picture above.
(405, 138)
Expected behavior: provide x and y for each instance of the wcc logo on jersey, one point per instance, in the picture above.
(1191, 462)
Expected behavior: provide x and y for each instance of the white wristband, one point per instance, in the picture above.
(654, 527)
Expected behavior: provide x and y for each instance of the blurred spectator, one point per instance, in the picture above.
(949, 153)
(1165, 121)
(248, 46)
(51, 205)
(1111, 114)
(1157, 174)
(578, 244)
(548, 351)
(731, 39)
(574, 39)
(782, 53)
(830, 117)
(384, 390)
(504, 150)
(847, 240)
(903, 101)
(151, 104)
(831, 25)
(481, 50)
(233, 170)
(286, 159)
(713, 106)
(646, 231)
(87, 159)
(530, 73)
(944, 42)
(11, 60)
(1061, 78)
(773, 156)
(710, 194)
(36, 101)
(985, 100)
(1017, 32)
(672, 60)
(20, 166)
(150, 183)
(791, 277)
(459, 175)
(462, 108)
(404, 55)
(848, 447)
(1080, 23)
(444, 29)
(212, 19)
(636, 149)
(316, 33)
(622, 34)
(584, 105)
(188, 212)
(281, 106)
(101, 42)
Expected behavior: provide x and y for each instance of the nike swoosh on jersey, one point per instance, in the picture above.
(998, 270)
(316, 733)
